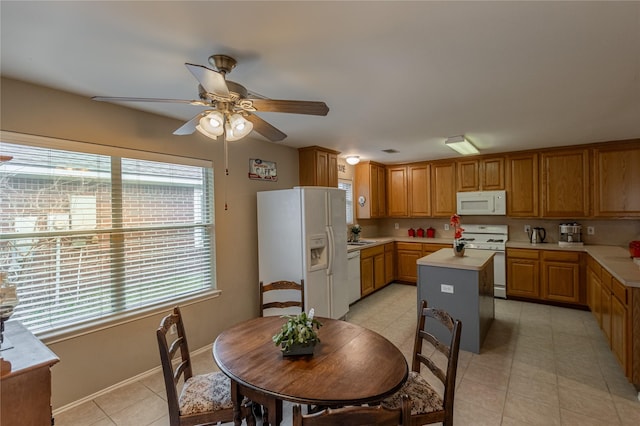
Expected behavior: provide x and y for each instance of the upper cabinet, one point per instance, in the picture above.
(617, 180)
(419, 189)
(522, 185)
(565, 183)
(318, 166)
(397, 184)
(370, 193)
(443, 188)
(484, 174)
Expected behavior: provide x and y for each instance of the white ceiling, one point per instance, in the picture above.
(402, 75)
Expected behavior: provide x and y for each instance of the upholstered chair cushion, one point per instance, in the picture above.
(205, 392)
(423, 398)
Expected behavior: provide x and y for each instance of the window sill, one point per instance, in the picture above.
(116, 320)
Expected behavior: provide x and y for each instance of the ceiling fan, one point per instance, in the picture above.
(230, 106)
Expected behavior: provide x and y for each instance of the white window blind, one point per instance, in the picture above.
(347, 185)
(84, 236)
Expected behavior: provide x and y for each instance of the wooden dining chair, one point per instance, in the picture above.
(205, 398)
(271, 296)
(427, 406)
(378, 415)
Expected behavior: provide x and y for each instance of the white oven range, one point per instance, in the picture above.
(494, 238)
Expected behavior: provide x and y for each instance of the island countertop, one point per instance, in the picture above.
(473, 260)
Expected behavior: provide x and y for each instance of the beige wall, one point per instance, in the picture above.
(100, 359)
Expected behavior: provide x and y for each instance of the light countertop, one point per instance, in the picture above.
(474, 260)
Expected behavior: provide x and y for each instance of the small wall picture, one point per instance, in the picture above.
(263, 170)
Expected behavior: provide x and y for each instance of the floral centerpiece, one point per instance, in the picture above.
(458, 244)
(298, 335)
(355, 231)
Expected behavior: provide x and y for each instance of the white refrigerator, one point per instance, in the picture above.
(302, 234)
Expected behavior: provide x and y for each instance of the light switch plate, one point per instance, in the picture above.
(446, 288)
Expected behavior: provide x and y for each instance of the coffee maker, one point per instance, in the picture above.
(570, 234)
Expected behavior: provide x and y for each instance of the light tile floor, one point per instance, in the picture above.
(540, 365)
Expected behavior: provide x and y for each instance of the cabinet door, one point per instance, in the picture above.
(619, 333)
(492, 174)
(443, 188)
(419, 184)
(366, 275)
(605, 324)
(468, 174)
(397, 191)
(616, 177)
(522, 185)
(389, 264)
(332, 170)
(594, 289)
(561, 281)
(322, 168)
(370, 184)
(378, 191)
(407, 266)
(565, 183)
(523, 278)
(378, 271)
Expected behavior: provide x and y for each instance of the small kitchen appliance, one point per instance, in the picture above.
(570, 234)
(537, 235)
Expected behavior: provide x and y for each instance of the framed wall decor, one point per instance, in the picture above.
(262, 170)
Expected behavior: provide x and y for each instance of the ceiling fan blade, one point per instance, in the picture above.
(124, 99)
(265, 129)
(292, 107)
(212, 81)
(189, 127)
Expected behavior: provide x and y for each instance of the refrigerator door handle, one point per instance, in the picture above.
(330, 247)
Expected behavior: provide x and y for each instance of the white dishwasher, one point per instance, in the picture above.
(353, 275)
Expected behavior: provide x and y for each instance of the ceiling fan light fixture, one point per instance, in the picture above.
(353, 159)
(210, 124)
(237, 127)
(461, 145)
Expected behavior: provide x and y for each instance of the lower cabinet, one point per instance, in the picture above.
(407, 255)
(389, 263)
(548, 275)
(372, 269)
(610, 302)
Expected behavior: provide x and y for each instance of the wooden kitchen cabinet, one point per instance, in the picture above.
(407, 255)
(389, 263)
(397, 190)
(594, 288)
(318, 166)
(443, 188)
(370, 183)
(523, 273)
(620, 336)
(522, 185)
(565, 183)
(372, 274)
(484, 174)
(561, 277)
(419, 189)
(605, 304)
(616, 178)
(428, 248)
(25, 388)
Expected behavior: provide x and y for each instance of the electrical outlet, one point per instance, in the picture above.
(446, 226)
(591, 230)
(396, 225)
(446, 288)
(527, 228)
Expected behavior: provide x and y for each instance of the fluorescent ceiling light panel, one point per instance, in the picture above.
(461, 145)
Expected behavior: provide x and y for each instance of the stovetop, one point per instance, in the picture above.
(485, 237)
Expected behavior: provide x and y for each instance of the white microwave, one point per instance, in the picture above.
(482, 203)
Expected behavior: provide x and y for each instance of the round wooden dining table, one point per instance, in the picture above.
(351, 365)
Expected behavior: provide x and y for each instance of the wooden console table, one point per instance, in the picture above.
(25, 379)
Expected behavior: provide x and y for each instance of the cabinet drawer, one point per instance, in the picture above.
(619, 290)
(561, 256)
(372, 251)
(523, 254)
(409, 246)
(594, 266)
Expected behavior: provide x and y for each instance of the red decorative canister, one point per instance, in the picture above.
(420, 232)
(412, 232)
(431, 233)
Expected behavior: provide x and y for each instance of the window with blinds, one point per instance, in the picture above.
(347, 185)
(85, 236)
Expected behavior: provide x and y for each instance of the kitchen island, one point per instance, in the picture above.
(462, 286)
